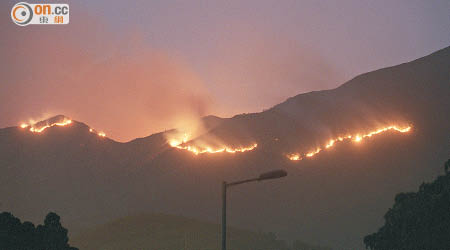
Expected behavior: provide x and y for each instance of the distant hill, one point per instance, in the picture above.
(168, 232)
(334, 198)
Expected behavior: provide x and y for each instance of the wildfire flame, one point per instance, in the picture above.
(101, 134)
(355, 138)
(39, 129)
(35, 129)
(178, 143)
(210, 150)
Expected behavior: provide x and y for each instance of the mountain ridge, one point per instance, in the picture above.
(209, 119)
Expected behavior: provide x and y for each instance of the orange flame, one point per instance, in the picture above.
(210, 150)
(65, 122)
(311, 154)
(295, 157)
(101, 134)
(355, 138)
(178, 143)
(35, 129)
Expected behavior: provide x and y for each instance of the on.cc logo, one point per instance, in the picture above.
(22, 14)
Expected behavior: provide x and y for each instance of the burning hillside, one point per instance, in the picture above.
(357, 138)
(39, 127)
(184, 141)
(209, 143)
(199, 150)
(59, 120)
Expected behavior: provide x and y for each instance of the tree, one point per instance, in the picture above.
(9, 231)
(418, 220)
(53, 236)
(24, 236)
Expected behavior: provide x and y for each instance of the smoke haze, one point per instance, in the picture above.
(119, 85)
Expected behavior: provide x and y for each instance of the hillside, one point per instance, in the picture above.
(159, 231)
(333, 198)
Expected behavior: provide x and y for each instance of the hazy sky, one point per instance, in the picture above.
(132, 68)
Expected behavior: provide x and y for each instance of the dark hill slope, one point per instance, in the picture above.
(159, 231)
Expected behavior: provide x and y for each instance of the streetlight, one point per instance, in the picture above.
(265, 176)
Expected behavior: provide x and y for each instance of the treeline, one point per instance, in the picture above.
(417, 221)
(15, 235)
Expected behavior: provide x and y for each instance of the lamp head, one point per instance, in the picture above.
(272, 175)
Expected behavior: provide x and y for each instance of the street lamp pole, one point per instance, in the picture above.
(224, 215)
(269, 175)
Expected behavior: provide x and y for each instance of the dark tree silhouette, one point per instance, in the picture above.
(15, 235)
(418, 220)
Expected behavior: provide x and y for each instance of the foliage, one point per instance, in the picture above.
(15, 235)
(418, 220)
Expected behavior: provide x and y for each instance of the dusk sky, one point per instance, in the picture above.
(135, 69)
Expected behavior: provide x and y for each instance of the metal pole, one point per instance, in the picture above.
(224, 215)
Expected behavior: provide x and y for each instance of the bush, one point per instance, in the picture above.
(418, 220)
